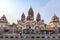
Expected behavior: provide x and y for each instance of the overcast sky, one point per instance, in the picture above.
(14, 8)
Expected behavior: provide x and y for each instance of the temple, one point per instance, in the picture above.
(4, 25)
(54, 25)
(29, 23)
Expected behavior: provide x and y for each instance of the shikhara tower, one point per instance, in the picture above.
(4, 25)
(23, 17)
(30, 14)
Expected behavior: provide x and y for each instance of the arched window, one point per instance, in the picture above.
(37, 29)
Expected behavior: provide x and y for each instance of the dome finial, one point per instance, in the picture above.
(38, 12)
(30, 6)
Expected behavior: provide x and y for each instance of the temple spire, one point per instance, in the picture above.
(38, 18)
(22, 17)
(31, 14)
